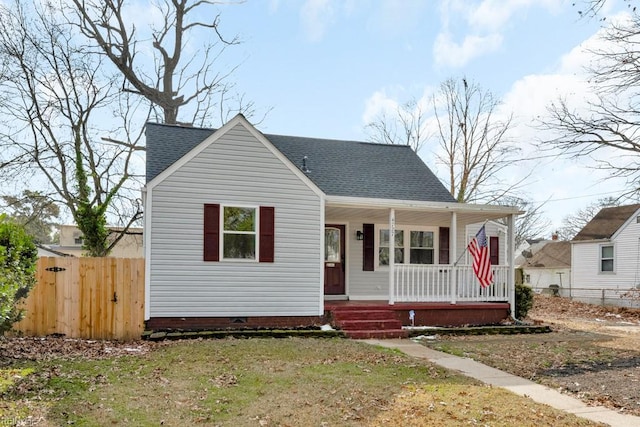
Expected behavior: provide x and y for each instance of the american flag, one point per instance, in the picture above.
(481, 261)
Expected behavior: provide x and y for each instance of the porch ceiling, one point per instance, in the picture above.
(405, 216)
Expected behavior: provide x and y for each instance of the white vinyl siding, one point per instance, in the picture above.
(235, 170)
(587, 279)
(492, 229)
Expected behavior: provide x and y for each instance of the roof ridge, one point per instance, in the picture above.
(183, 126)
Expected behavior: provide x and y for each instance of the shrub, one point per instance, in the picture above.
(524, 300)
(18, 256)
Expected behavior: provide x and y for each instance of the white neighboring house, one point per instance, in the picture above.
(550, 265)
(605, 256)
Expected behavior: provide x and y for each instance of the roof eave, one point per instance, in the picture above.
(493, 210)
(602, 239)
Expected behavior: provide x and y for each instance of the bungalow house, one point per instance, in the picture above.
(244, 229)
(605, 258)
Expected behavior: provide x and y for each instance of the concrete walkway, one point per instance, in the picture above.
(520, 386)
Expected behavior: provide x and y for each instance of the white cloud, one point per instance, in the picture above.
(480, 26)
(569, 183)
(449, 53)
(377, 104)
(316, 16)
(494, 15)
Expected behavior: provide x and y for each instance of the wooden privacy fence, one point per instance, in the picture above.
(94, 298)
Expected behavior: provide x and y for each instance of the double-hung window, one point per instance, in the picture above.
(239, 233)
(421, 251)
(606, 259)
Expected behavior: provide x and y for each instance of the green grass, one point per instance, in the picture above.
(260, 382)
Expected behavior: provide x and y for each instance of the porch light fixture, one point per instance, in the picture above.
(359, 235)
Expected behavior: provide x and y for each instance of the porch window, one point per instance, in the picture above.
(383, 247)
(421, 251)
(239, 233)
(606, 259)
(418, 248)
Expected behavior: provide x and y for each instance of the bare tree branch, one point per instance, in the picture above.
(474, 143)
(56, 94)
(176, 81)
(406, 127)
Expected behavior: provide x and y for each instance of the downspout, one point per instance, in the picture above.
(392, 255)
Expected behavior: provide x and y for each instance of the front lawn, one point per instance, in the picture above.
(259, 382)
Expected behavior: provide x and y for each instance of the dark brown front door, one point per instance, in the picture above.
(334, 259)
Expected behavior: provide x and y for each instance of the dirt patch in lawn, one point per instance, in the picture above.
(593, 352)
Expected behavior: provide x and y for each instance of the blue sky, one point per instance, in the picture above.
(326, 68)
(318, 62)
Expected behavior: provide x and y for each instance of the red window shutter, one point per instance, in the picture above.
(211, 246)
(368, 247)
(443, 245)
(494, 250)
(267, 233)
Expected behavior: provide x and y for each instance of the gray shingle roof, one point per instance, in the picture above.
(606, 222)
(554, 254)
(339, 168)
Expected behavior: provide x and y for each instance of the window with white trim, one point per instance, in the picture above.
(606, 259)
(421, 251)
(383, 247)
(239, 233)
(412, 246)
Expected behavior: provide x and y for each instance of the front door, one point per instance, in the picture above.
(334, 259)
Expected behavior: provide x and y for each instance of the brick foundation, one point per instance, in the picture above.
(213, 323)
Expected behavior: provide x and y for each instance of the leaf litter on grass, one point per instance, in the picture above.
(267, 382)
(581, 356)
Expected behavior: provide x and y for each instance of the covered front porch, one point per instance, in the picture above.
(414, 254)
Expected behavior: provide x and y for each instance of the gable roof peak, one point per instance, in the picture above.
(337, 167)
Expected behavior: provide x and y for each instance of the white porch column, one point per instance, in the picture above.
(392, 255)
(511, 238)
(453, 256)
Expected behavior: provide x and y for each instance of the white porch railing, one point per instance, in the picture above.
(431, 283)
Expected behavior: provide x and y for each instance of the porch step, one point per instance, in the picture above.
(369, 325)
(362, 314)
(367, 322)
(381, 334)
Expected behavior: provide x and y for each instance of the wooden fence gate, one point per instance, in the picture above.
(92, 298)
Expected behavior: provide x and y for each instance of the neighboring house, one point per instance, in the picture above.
(254, 229)
(550, 265)
(527, 249)
(605, 257)
(46, 251)
(130, 246)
